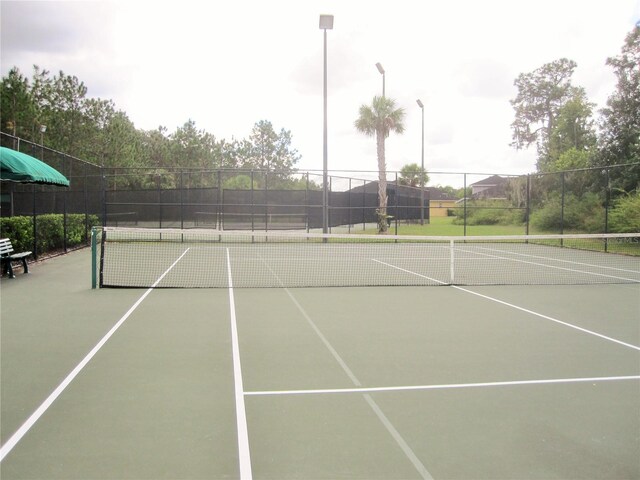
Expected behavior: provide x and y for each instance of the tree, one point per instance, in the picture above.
(573, 130)
(18, 110)
(619, 140)
(230, 153)
(156, 146)
(121, 142)
(380, 119)
(269, 151)
(413, 175)
(62, 102)
(93, 130)
(193, 148)
(541, 95)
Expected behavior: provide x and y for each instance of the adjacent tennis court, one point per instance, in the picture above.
(466, 380)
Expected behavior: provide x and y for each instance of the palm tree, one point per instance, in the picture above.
(413, 175)
(379, 119)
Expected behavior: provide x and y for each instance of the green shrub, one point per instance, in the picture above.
(489, 212)
(581, 214)
(624, 217)
(19, 230)
(50, 231)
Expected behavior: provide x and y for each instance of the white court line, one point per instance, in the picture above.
(409, 271)
(404, 446)
(241, 418)
(560, 260)
(531, 312)
(573, 270)
(450, 386)
(35, 416)
(546, 317)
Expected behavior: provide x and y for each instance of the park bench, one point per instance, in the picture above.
(7, 257)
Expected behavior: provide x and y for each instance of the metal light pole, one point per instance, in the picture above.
(381, 70)
(421, 105)
(326, 23)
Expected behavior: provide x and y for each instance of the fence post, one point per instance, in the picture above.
(464, 206)
(103, 181)
(253, 205)
(65, 223)
(528, 206)
(606, 209)
(306, 203)
(397, 214)
(35, 225)
(328, 206)
(86, 206)
(93, 258)
(349, 196)
(159, 187)
(364, 205)
(220, 219)
(266, 200)
(182, 201)
(562, 181)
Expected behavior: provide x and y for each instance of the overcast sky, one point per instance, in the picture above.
(229, 64)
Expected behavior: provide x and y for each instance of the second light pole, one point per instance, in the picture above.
(421, 105)
(326, 23)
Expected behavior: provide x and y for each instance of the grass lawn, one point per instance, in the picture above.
(443, 226)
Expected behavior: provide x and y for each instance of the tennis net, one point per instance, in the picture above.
(196, 258)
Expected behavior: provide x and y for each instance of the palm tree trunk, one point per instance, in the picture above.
(382, 183)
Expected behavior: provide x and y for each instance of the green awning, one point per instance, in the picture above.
(22, 168)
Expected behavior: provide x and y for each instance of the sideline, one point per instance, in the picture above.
(35, 416)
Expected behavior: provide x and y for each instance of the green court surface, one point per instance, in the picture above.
(444, 382)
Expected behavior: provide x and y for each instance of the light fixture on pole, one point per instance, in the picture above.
(326, 23)
(43, 128)
(421, 105)
(381, 70)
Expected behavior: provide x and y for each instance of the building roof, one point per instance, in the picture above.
(490, 181)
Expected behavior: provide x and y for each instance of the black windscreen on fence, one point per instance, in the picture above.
(577, 201)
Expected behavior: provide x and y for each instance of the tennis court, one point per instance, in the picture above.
(458, 381)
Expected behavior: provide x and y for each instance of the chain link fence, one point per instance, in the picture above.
(56, 219)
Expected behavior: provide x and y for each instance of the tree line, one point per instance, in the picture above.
(558, 119)
(95, 130)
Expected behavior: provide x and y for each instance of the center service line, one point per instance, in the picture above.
(241, 416)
